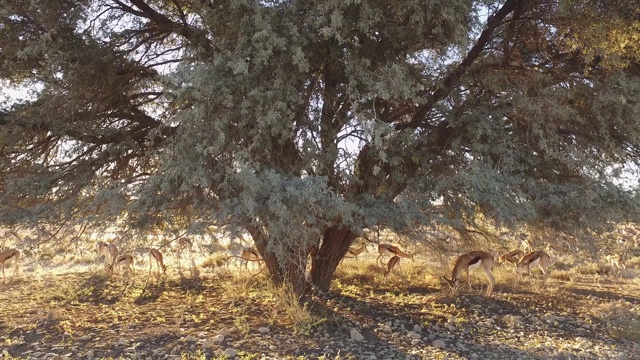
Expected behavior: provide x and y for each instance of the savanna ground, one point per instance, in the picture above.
(55, 310)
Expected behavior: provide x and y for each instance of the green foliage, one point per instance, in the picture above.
(291, 119)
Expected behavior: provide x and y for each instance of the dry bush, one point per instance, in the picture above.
(564, 275)
(289, 310)
(214, 261)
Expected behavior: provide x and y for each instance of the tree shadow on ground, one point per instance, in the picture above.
(602, 294)
(97, 289)
(346, 312)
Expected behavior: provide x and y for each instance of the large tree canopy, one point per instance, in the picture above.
(305, 122)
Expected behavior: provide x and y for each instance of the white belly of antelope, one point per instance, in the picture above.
(475, 266)
(536, 262)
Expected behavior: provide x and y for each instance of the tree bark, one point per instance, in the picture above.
(288, 268)
(335, 244)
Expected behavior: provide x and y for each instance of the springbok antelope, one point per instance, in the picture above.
(355, 251)
(250, 254)
(536, 258)
(9, 255)
(616, 261)
(393, 262)
(183, 244)
(472, 261)
(512, 257)
(156, 255)
(124, 261)
(524, 243)
(391, 250)
(109, 250)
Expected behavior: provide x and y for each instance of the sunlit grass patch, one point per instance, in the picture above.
(633, 262)
(564, 275)
(591, 268)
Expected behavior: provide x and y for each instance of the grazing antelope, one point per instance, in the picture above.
(156, 255)
(353, 252)
(391, 250)
(124, 261)
(393, 262)
(511, 257)
(247, 254)
(536, 258)
(183, 244)
(109, 250)
(250, 254)
(616, 261)
(102, 249)
(472, 261)
(6, 256)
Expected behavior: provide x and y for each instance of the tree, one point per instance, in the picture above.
(304, 123)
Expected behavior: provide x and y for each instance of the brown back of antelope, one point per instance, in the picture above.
(391, 250)
(512, 257)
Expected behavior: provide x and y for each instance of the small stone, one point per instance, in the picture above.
(208, 344)
(512, 321)
(263, 330)
(176, 350)
(91, 354)
(417, 328)
(438, 344)
(190, 338)
(355, 335)
(414, 335)
(231, 352)
(218, 339)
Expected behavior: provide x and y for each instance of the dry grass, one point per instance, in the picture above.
(621, 318)
(59, 304)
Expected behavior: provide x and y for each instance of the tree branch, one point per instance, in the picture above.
(443, 89)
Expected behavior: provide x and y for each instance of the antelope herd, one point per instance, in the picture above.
(523, 258)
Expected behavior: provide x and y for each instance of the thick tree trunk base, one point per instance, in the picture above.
(335, 244)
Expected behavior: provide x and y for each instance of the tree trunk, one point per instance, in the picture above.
(287, 268)
(335, 244)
